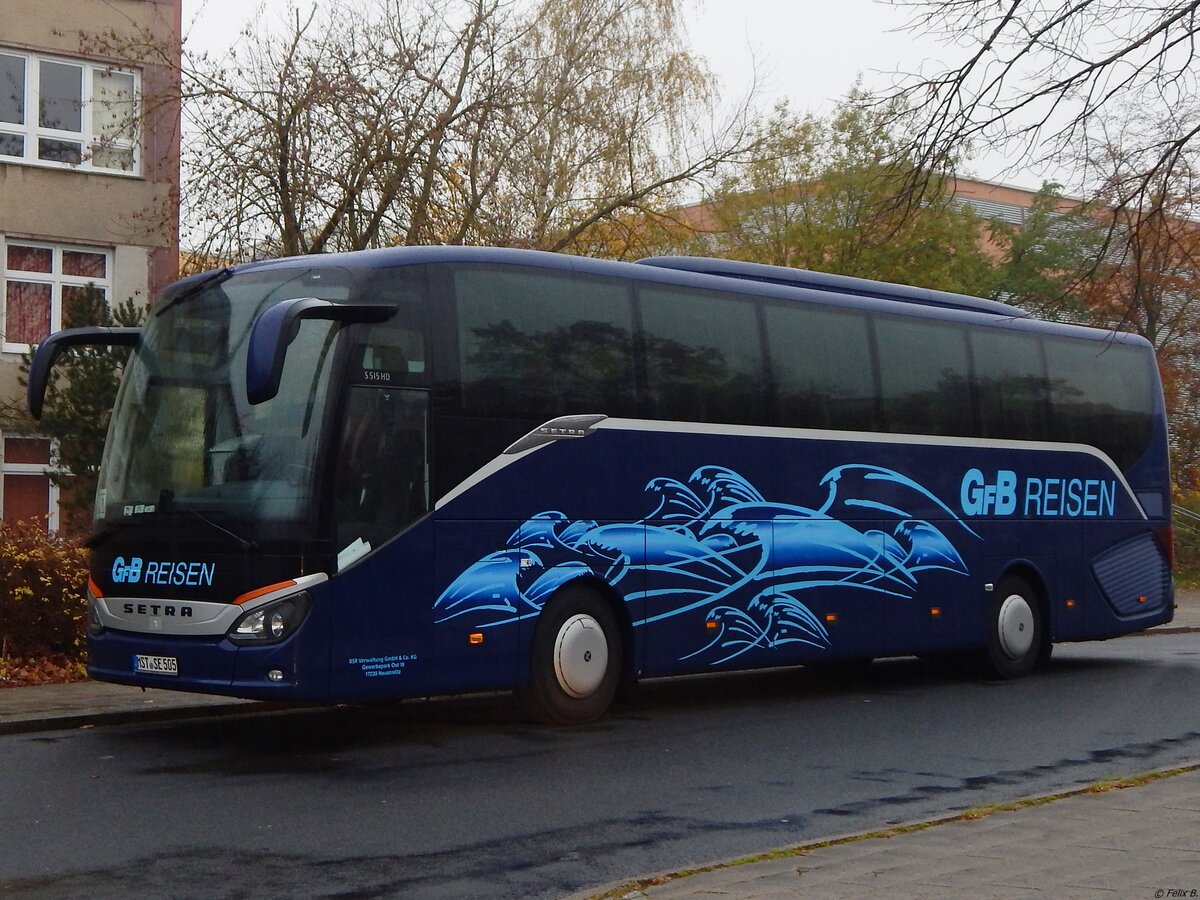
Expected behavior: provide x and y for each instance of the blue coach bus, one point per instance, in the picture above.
(422, 471)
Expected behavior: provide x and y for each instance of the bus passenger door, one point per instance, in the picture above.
(382, 480)
(382, 619)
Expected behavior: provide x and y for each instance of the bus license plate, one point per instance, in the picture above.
(157, 665)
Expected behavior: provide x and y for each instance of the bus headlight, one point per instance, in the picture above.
(271, 623)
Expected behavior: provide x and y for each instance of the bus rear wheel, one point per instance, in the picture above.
(576, 659)
(1016, 630)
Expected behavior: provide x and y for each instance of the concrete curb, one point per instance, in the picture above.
(89, 719)
(1166, 629)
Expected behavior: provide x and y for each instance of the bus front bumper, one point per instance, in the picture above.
(207, 665)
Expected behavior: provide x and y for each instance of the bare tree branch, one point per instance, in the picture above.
(1042, 76)
(480, 122)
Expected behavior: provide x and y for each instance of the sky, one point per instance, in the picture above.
(808, 51)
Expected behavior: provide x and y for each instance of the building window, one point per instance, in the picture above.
(40, 281)
(29, 494)
(60, 112)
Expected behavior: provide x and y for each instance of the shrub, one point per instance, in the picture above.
(1186, 520)
(43, 602)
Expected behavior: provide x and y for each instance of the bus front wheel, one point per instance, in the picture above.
(1016, 630)
(575, 663)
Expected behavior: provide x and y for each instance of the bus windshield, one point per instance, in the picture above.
(184, 438)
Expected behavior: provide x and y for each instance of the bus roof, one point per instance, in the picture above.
(837, 290)
(844, 285)
(824, 281)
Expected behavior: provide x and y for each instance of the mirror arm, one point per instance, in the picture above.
(48, 351)
(276, 328)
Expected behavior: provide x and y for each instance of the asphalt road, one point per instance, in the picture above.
(461, 799)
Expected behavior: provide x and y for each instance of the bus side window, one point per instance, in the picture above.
(1010, 380)
(1098, 394)
(535, 345)
(704, 357)
(821, 360)
(923, 376)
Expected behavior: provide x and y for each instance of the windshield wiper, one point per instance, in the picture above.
(99, 537)
(208, 279)
(166, 505)
(245, 544)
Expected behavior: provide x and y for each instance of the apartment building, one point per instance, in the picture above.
(89, 184)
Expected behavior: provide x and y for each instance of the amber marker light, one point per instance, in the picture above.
(1071, 604)
(710, 625)
(830, 618)
(475, 638)
(1143, 599)
(935, 612)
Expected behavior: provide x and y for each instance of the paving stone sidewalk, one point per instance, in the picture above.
(1134, 842)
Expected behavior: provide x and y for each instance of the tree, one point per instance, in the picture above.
(821, 194)
(79, 401)
(612, 119)
(1152, 286)
(328, 135)
(1134, 269)
(1039, 79)
(412, 124)
(1042, 264)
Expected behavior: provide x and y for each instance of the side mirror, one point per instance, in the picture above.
(276, 328)
(49, 349)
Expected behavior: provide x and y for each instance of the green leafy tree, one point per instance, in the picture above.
(1044, 263)
(1111, 266)
(826, 195)
(79, 402)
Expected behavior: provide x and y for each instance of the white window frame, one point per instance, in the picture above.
(52, 517)
(87, 137)
(55, 278)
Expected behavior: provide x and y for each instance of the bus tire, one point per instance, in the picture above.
(1016, 630)
(575, 661)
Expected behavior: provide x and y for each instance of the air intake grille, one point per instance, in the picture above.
(1133, 570)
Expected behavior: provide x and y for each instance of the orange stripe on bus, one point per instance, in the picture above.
(258, 592)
